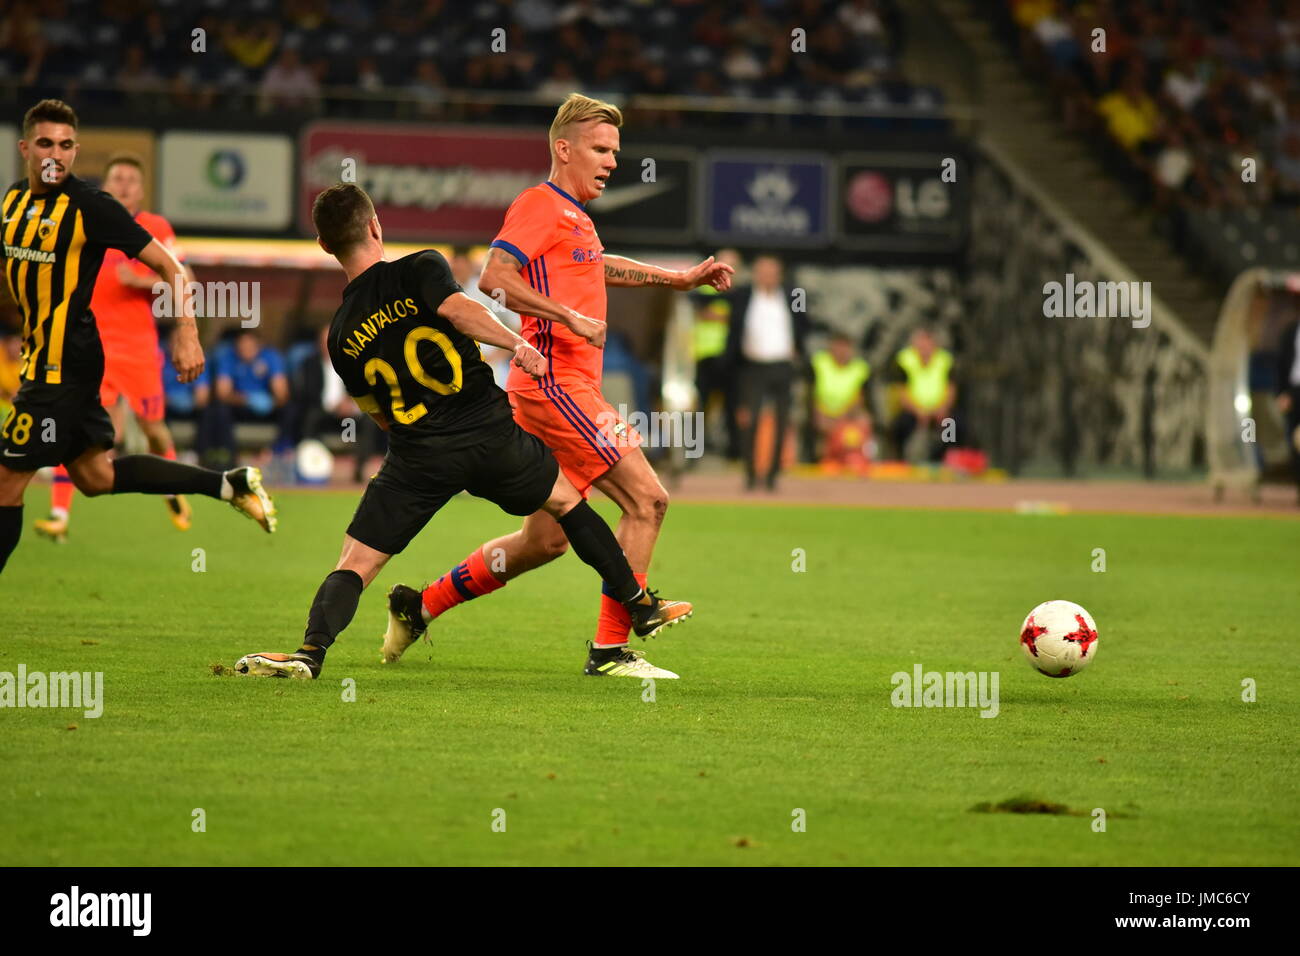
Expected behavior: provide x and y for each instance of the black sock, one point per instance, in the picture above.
(332, 611)
(596, 545)
(152, 475)
(11, 529)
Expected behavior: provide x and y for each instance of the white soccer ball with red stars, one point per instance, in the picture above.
(1059, 638)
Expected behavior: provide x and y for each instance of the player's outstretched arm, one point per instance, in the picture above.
(621, 271)
(187, 354)
(502, 281)
(477, 321)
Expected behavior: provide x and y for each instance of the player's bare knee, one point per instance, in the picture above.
(651, 506)
(93, 481)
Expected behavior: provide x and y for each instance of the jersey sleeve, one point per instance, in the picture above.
(434, 279)
(530, 227)
(110, 225)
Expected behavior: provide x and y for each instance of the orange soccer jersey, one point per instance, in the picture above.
(556, 244)
(124, 314)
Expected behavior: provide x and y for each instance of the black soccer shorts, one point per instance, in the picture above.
(53, 425)
(512, 469)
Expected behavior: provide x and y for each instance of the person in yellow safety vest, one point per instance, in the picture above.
(840, 408)
(713, 376)
(928, 393)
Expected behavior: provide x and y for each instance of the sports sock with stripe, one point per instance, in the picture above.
(470, 579)
(614, 623)
(61, 493)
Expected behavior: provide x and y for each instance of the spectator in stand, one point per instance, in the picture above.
(428, 89)
(840, 405)
(1130, 114)
(251, 43)
(927, 394)
(250, 386)
(765, 346)
(1288, 395)
(324, 409)
(289, 85)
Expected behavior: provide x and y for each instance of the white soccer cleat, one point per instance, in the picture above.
(297, 666)
(622, 661)
(250, 497)
(405, 622)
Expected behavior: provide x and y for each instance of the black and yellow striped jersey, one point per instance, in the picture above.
(53, 246)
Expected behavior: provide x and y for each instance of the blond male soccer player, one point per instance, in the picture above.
(548, 264)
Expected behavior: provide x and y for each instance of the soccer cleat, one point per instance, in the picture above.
(299, 666)
(621, 661)
(250, 497)
(648, 619)
(178, 509)
(56, 529)
(406, 624)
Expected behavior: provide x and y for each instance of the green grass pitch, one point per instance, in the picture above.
(784, 703)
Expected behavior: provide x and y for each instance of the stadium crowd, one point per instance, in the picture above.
(408, 59)
(1181, 92)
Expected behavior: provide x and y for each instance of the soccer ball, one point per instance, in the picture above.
(1059, 638)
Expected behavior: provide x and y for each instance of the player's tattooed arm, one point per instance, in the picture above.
(620, 271)
(628, 272)
(502, 281)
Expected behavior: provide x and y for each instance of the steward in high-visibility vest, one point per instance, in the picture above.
(927, 382)
(837, 384)
(928, 394)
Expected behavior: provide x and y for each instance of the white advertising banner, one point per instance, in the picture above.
(226, 180)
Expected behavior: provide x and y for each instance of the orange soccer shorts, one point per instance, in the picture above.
(586, 434)
(140, 380)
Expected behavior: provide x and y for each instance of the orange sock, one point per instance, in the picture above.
(615, 623)
(61, 491)
(170, 453)
(466, 581)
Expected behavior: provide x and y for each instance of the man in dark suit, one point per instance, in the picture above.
(765, 350)
(1288, 394)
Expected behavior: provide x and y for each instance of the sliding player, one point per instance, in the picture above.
(55, 231)
(550, 267)
(122, 305)
(403, 341)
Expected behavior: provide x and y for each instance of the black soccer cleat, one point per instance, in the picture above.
(406, 623)
(652, 616)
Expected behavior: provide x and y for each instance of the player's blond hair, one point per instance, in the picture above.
(581, 109)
